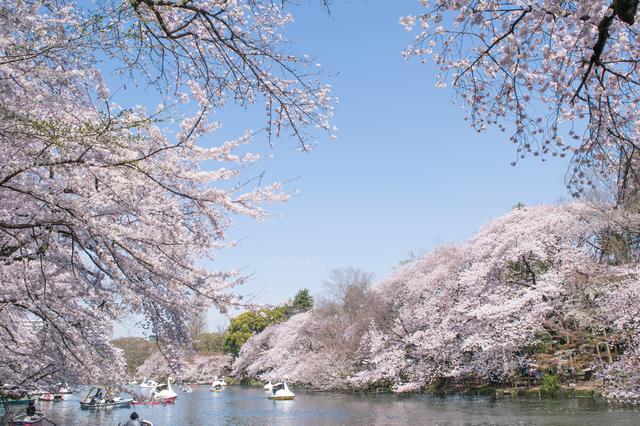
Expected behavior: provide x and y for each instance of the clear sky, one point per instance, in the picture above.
(406, 172)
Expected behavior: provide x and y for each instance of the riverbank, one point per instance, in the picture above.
(590, 389)
(587, 389)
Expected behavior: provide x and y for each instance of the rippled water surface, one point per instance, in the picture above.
(238, 405)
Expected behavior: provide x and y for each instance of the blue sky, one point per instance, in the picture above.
(406, 172)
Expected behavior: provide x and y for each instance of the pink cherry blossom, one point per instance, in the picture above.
(109, 211)
(560, 76)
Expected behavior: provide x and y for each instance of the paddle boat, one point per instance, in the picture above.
(99, 397)
(217, 381)
(164, 393)
(267, 386)
(148, 383)
(280, 391)
(64, 389)
(48, 396)
(187, 389)
(16, 398)
(36, 419)
(216, 388)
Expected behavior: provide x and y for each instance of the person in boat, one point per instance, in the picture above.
(133, 420)
(31, 409)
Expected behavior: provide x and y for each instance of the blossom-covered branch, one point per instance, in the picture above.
(561, 76)
(107, 209)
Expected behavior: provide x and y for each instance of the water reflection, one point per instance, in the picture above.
(250, 406)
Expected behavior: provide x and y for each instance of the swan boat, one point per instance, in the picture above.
(164, 393)
(148, 383)
(217, 385)
(280, 391)
(64, 389)
(217, 381)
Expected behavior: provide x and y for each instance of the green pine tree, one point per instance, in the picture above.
(302, 302)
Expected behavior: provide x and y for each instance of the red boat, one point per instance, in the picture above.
(164, 393)
(50, 397)
(146, 403)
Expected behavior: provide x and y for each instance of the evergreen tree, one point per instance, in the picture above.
(302, 302)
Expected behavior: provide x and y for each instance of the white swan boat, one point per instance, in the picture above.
(280, 391)
(164, 393)
(148, 383)
(217, 385)
(217, 381)
(64, 389)
(267, 386)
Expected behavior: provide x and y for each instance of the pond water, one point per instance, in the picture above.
(238, 405)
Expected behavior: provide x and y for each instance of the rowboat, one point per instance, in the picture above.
(26, 420)
(24, 399)
(99, 398)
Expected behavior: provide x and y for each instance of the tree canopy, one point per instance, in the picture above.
(248, 323)
(302, 302)
(560, 77)
(533, 286)
(107, 207)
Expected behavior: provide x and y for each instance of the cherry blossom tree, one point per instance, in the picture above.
(481, 302)
(476, 311)
(318, 348)
(622, 376)
(194, 367)
(561, 77)
(107, 209)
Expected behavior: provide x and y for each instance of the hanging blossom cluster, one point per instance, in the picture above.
(234, 49)
(470, 311)
(560, 76)
(106, 213)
